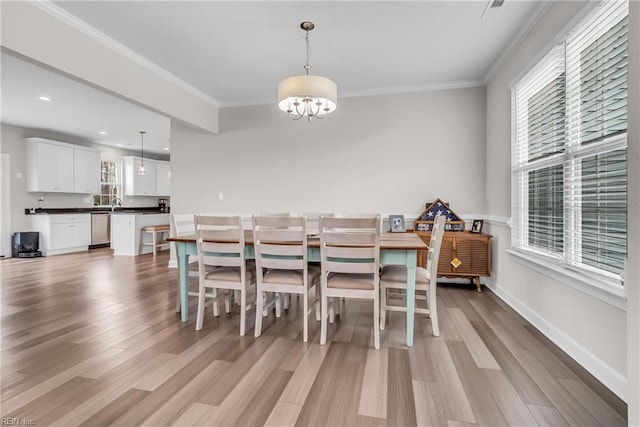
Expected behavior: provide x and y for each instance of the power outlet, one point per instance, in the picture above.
(220, 196)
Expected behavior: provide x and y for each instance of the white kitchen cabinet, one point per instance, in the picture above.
(58, 167)
(62, 233)
(86, 171)
(163, 178)
(49, 166)
(136, 184)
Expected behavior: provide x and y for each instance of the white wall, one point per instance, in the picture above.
(389, 154)
(592, 331)
(13, 144)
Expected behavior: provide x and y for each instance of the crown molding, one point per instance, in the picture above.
(395, 90)
(516, 41)
(79, 25)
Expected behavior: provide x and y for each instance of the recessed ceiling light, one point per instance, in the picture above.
(166, 148)
(44, 98)
(103, 132)
(119, 145)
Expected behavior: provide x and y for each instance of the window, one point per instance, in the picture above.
(109, 184)
(569, 148)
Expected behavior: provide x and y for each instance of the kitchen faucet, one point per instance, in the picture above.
(116, 201)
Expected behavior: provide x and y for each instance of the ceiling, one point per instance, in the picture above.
(76, 109)
(235, 52)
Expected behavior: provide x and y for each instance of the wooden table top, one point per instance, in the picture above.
(397, 241)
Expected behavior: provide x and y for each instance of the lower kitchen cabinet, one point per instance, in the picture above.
(63, 233)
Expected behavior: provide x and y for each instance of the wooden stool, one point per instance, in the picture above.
(157, 241)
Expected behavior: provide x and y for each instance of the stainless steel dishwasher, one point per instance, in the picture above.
(100, 229)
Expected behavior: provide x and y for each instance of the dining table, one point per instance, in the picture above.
(395, 249)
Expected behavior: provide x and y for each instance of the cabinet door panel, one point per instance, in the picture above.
(146, 184)
(481, 260)
(81, 234)
(45, 168)
(136, 184)
(61, 237)
(163, 179)
(64, 169)
(86, 171)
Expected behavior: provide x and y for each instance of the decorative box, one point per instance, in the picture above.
(424, 222)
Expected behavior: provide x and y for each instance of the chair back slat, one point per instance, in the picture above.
(280, 235)
(281, 249)
(222, 254)
(355, 223)
(275, 214)
(350, 267)
(282, 263)
(219, 220)
(356, 253)
(351, 237)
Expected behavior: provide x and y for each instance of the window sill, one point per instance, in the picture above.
(606, 292)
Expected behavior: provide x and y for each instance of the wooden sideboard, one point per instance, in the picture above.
(472, 249)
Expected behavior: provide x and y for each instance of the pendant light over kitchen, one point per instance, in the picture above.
(142, 170)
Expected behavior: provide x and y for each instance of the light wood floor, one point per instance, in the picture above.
(92, 339)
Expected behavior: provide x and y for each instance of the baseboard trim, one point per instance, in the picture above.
(604, 373)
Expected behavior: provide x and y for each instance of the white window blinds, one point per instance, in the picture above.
(537, 156)
(569, 158)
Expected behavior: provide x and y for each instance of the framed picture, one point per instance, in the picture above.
(396, 223)
(477, 226)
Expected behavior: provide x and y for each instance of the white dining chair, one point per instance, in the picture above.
(222, 265)
(350, 263)
(393, 281)
(280, 245)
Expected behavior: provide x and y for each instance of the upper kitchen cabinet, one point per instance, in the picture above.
(86, 171)
(57, 167)
(136, 184)
(49, 166)
(163, 178)
(154, 183)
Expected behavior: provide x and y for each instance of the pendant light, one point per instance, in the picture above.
(142, 170)
(307, 95)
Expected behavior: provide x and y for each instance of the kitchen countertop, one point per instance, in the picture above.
(123, 210)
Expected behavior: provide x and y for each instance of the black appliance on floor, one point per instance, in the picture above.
(24, 244)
